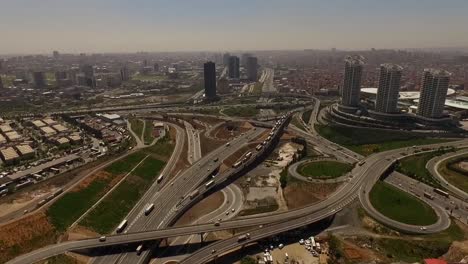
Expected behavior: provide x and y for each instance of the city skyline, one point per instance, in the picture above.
(123, 26)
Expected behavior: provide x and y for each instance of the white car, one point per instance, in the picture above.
(301, 242)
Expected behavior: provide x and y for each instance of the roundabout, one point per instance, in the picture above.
(320, 170)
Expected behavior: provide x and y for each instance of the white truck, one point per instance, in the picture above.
(149, 208)
(122, 226)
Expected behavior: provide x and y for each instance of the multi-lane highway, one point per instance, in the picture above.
(433, 167)
(364, 177)
(194, 148)
(167, 199)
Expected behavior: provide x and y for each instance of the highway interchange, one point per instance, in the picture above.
(359, 186)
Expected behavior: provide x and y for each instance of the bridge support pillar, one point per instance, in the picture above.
(201, 238)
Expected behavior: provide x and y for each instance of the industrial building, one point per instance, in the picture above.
(9, 155)
(25, 151)
(49, 121)
(38, 123)
(48, 131)
(60, 128)
(12, 136)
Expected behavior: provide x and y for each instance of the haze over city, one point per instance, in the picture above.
(30, 26)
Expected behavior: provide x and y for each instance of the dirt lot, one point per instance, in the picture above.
(229, 130)
(208, 144)
(202, 208)
(26, 235)
(358, 254)
(24, 199)
(300, 194)
(80, 232)
(458, 250)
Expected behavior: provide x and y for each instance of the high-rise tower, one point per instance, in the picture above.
(352, 81)
(389, 86)
(209, 70)
(433, 92)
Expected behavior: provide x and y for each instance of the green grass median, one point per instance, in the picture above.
(367, 141)
(104, 217)
(324, 169)
(69, 207)
(401, 206)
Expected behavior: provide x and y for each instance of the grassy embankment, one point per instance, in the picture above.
(324, 169)
(415, 167)
(454, 174)
(137, 126)
(367, 141)
(401, 206)
(241, 111)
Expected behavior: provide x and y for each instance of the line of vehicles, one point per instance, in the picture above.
(248, 155)
(150, 207)
(438, 191)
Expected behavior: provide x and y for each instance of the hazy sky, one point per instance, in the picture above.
(39, 26)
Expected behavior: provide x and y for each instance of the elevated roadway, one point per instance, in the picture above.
(433, 167)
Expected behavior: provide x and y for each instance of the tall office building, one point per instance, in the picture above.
(56, 54)
(88, 71)
(156, 67)
(209, 70)
(252, 66)
(233, 67)
(1, 83)
(60, 75)
(389, 86)
(226, 57)
(433, 92)
(39, 79)
(124, 74)
(244, 59)
(352, 81)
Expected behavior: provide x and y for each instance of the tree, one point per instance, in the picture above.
(248, 260)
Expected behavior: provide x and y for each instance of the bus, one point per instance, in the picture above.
(441, 192)
(160, 178)
(149, 208)
(121, 226)
(208, 184)
(259, 147)
(237, 164)
(194, 194)
(361, 163)
(139, 249)
(249, 154)
(428, 196)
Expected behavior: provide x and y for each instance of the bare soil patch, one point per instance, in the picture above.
(205, 206)
(19, 237)
(208, 144)
(301, 194)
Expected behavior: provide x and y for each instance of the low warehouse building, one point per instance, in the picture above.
(38, 123)
(48, 131)
(59, 128)
(6, 128)
(25, 151)
(49, 121)
(9, 155)
(12, 136)
(62, 141)
(75, 139)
